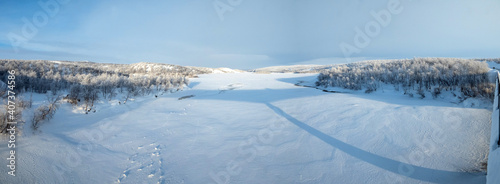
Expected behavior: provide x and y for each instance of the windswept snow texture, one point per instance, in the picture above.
(258, 128)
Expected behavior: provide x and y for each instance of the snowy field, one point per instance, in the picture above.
(258, 128)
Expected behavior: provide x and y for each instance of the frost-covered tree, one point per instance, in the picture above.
(45, 112)
(43, 76)
(414, 76)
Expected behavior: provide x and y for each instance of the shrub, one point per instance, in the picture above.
(45, 112)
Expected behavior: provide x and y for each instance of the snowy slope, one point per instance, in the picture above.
(493, 65)
(258, 128)
(292, 69)
(494, 155)
(226, 70)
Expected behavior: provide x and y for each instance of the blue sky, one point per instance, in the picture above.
(255, 33)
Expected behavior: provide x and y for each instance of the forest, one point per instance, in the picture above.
(83, 83)
(417, 76)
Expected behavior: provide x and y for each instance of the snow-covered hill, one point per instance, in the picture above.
(257, 128)
(160, 67)
(216, 70)
(293, 69)
(327, 64)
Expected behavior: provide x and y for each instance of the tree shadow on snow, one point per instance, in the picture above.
(400, 168)
(193, 84)
(267, 96)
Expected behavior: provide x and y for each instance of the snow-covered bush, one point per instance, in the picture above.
(45, 112)
(74, 94)
(7, 115)
(414, 76)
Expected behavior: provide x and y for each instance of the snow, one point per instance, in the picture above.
(334, 60)
(225, 70)
(493, 65)
(494, 156)
(258, 128)
(57, 62)
(293, 69)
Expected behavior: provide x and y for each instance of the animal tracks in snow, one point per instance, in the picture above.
(146, 166)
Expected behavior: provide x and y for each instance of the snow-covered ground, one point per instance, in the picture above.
(258, 128)
(293, 68)
(494, 156)
(492, 64)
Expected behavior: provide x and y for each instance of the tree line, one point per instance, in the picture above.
(87, 82)
(414, 76)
